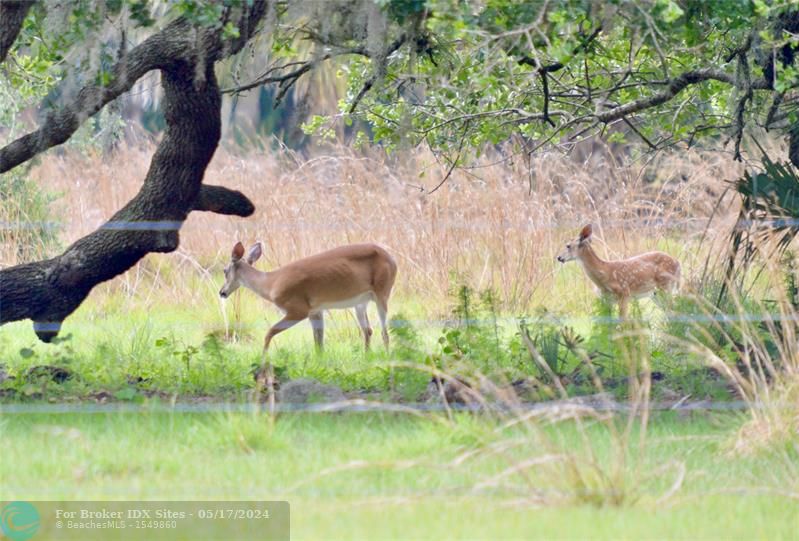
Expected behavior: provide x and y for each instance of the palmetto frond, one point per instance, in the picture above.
(769, 218)
(770, 203)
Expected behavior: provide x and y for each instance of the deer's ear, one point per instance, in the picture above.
(238, 252)
(585, 233)
(255, 252)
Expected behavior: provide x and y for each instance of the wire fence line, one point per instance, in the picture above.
(688, 225)
(339, 322)
(696, 224)
(361, 406)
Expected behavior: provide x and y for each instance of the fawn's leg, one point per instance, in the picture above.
(623, 304)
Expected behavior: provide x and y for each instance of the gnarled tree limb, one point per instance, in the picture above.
(178, 42)
(674, 86)
(48, 291)
(12, 15)
(223, 201)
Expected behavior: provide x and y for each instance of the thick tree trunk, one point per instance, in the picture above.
(12, 15)
(48, 291)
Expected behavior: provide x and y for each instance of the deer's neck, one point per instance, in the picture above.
(256, 281)
(594, 266)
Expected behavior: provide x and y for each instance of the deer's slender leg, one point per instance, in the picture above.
(363, 321)
(290, 319)
(266, 374)
(382, 311)
(318, 324)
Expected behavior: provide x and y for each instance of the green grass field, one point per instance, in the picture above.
(376, 476)
(129, 348)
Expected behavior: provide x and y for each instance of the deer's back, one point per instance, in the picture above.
(641, 274)
(334, 275)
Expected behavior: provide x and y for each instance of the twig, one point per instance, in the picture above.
(454, 162)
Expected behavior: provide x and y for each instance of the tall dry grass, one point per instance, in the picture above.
(498, 224)
(761, 361)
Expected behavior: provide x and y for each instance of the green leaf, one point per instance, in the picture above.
(230, 31)
(671, 11)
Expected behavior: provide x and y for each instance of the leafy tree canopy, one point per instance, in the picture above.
(553, 72)
(457, 75)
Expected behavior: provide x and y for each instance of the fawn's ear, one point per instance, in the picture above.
(255, 252)
(585, 233)
(238, 252)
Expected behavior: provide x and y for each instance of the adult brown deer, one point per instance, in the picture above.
(634, 277)
(345, 277)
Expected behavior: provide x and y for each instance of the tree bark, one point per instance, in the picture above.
(48, 291)
(12, 15)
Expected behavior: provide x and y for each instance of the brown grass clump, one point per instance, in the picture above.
(774, 423)
(760, 357)
(498, 224)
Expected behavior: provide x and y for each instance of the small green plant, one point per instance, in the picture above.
(544, 334)
(178, 349)
(475, 337)
(205, 368)
(44, 374)
(490, 305)
(464, 306)
(406, 344)
(556, 354)
(603, 330)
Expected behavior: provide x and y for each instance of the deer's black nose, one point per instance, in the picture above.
(560, 258)
(223, 294)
